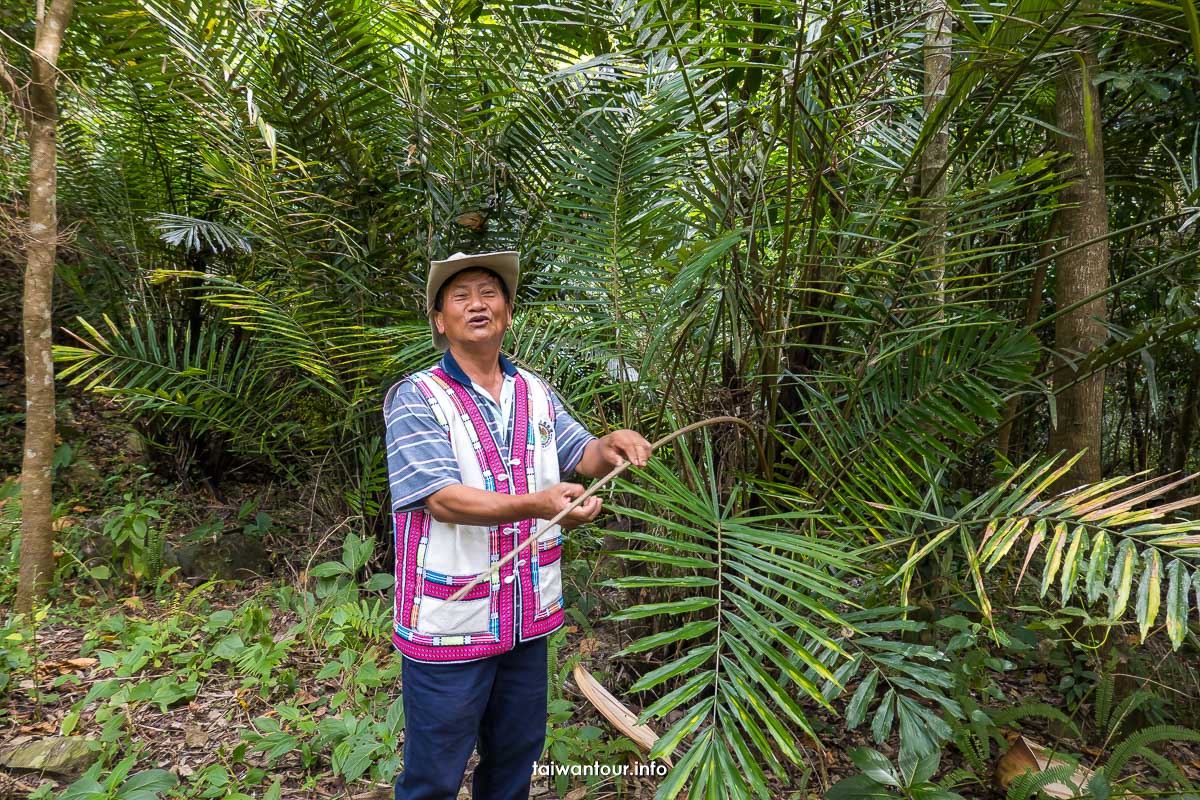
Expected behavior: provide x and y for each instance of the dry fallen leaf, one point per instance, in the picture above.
(615, 711)
(1025, 755)
(472, 220)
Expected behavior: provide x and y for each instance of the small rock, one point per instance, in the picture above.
(82, 473)
(230, 556)
(195, 737)
(62, 755)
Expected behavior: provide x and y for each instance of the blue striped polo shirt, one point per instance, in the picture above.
(419, 456)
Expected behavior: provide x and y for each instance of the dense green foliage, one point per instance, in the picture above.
(717, 211)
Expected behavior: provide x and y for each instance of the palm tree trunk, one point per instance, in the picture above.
(39, 108)
(1080, 271)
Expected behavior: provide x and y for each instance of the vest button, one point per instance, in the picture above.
(514, 461)
(508, 579)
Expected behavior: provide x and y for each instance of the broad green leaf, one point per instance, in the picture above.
(1097, 572)
(649, 582)
(328, 569)
(856, 709)
(695, 716)
(1070, 570)
(1039, 533)
(881, 723)
(858, 787)
(674, 607)
(1055, 551)
(1122, 578)
(1005, 541)
(149, 783)
(748, 760)
(1178, 581)
(693, 659)
(678, 696)
(688, 631)
(874, 765)
(1149, 592)
(378, 581)
(676, 779)
(924, 768)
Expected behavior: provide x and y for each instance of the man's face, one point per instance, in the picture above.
(474, 311)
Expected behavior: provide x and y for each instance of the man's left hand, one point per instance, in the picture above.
(624, 445)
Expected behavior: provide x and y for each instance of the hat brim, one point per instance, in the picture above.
(504, 263)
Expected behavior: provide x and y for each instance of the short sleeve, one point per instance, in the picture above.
(571, 437)
(419, 456)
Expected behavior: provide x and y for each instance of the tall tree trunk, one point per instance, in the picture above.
(38, 106)
(1081, 272)
(933, 158)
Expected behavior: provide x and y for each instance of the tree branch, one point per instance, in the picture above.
(15, 91)
(16, 95)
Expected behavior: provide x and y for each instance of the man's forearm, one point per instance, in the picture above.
(464, 505)
(593, 463)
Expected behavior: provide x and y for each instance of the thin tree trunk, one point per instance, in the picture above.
(1083, 272)
(1187, 417)
(1137, 431)
(39, 108)
(1033, 305)
(933, 159)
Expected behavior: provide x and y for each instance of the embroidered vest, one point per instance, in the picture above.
(434, 559)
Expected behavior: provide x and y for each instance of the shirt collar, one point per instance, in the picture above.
(451, 368)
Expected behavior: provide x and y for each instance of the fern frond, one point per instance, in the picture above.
(1142, 739)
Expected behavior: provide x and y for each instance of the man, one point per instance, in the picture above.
(476, 451)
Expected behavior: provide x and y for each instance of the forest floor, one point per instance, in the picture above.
(219, 681)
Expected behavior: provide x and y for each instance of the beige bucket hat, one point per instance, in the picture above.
(504, 263)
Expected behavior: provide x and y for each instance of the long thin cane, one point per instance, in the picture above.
(595, 487)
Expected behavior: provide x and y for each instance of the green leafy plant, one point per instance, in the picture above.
(572, 745)
(895, 677)
(1094, 540)
(136, 533)
(119, 784)
(742, 592)
(880, 779)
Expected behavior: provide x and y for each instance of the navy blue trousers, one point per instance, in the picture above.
(497, 704)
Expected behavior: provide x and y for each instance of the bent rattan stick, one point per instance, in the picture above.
(595, 487)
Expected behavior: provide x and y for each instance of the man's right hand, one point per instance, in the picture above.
(561, 495)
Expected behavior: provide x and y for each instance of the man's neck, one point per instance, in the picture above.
(482, 367)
